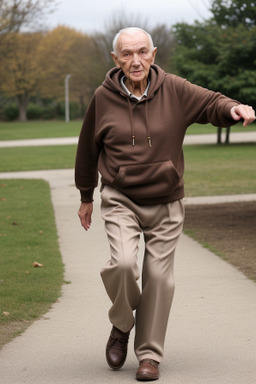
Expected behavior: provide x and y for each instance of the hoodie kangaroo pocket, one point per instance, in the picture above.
(147, 180)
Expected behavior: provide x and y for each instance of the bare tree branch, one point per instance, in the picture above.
(17, 14)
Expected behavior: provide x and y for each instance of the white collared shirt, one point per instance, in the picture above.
(131, 95)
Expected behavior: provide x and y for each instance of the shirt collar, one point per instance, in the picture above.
(131, 95)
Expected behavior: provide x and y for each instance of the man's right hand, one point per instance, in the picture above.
(85, 215)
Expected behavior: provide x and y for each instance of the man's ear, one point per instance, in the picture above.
(154, 55)
(114, 57)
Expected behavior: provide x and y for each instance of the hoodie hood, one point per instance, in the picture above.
(113, 77)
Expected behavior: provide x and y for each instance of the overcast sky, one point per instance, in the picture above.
(91, 16)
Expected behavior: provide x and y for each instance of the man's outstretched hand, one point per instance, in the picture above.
(244, 112)
(85, 215)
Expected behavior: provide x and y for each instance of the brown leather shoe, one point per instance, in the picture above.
(148, 370)
(116, 349)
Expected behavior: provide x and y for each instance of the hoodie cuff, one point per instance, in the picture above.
(227, 120)
(87, 196)
(229, 107)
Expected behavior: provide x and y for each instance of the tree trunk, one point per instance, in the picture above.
(22, 101)
(227, 135)
(219, 135)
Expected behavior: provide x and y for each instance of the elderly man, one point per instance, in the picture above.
(132, 135)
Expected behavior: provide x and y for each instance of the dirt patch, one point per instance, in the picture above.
(228, 230)
(11, 330)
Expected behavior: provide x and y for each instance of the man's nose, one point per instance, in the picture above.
(136, 59)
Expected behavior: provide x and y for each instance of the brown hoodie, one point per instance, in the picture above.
(137, 145)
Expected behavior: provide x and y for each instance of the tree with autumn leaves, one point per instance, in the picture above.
(19, 69)
(36, 63)
(66, 51)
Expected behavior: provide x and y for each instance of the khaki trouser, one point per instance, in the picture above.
(161, 226)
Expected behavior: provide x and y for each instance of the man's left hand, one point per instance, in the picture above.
(244, 112)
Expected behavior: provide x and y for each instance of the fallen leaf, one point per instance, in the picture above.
(37, 265)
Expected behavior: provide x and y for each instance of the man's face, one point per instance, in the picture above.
(135, 56)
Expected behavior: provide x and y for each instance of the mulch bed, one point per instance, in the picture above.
(229, 230)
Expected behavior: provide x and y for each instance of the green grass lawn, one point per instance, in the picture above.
(47, 129)
(220, 170)
(37, 158)
(27, 235)
(38, 129)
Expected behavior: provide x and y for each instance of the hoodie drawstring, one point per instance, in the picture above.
(132, 123)
(147, 125)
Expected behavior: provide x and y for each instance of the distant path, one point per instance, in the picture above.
(38, 142)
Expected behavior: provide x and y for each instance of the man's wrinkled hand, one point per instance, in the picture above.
(244, 112)
(85, 215)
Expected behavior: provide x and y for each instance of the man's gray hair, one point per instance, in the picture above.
(130, 31)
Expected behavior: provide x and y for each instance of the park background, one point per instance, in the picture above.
(218, 52)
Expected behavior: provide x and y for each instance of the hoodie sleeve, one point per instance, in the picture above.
(201, 105)
(86, 166)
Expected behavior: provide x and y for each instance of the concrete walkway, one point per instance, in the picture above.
(211, 337)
